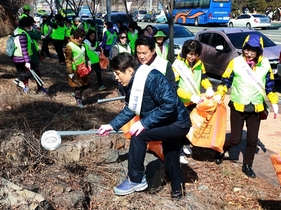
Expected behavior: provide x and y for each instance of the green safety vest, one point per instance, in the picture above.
(59, 33)
(18, 51)
(122, 49)
(132, 38)
(68, 31)
(164, 52)
(110, 38)
(78, 54)
(92, 55)
(242, 86)
(197, 77)
(45, 29)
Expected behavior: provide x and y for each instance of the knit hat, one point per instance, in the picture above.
(254, 41)
(160, 34)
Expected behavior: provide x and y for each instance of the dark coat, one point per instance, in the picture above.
(160, 105)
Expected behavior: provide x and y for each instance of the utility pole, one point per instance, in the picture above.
(108, 10)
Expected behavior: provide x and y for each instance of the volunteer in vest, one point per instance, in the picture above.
(190, 75)
(58, 36)
(251, 78)
(146, 54)
(25, 53)
(35, 35)
(93, 49)
(161, 46)
(75, 55)
(26, 11)
(132, 36)
(46, 31)
(162, 116)
(109, 38)
(120, 47)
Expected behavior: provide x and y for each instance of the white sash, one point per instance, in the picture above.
(248, 72)
(186, 75)
(137, 90)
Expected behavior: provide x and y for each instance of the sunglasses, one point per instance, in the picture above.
(123, 37)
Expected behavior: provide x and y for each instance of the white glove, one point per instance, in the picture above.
(104, 129)
(275, 109)
(71, 75)
(27, 65)
(89, 63)
(136, 128)
(209, 92)
(43, 37)
(196, 99)
(217, 98)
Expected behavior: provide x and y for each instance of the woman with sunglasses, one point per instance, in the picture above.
(121, 45)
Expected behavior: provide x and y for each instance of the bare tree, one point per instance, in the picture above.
(168, 10)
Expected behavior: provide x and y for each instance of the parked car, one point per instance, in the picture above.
(119, 16)
(138, 15)
(85, 14)
(161, 18)
(181, 34)
(250, 21)
(220, 45)
(69, 13)
(149, 18)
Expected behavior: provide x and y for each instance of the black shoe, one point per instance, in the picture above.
(247, 169)
(219, 157)
(176, 195)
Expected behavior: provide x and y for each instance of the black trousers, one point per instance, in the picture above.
(45, 47)
(58, 47)
(237, 120)
(23, 74)
(79, 90)
(170, 136)
(97, 68)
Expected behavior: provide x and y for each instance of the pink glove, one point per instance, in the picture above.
(136, 128)
(104, 129)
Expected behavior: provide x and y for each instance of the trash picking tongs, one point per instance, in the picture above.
(37, 78)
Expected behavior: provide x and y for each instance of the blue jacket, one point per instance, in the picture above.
(160, 105)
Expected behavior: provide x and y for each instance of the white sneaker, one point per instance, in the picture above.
(183, 159)
(19, 83)
(187, 150)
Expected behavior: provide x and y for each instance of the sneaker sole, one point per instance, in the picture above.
(120, 192)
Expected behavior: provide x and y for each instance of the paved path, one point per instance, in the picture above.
(269, 143)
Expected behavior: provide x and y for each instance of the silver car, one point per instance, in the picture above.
(181, 34)
(220, 45)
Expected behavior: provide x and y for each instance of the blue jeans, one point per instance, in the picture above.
(170, 136)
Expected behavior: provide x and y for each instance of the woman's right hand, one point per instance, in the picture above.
(104, 129)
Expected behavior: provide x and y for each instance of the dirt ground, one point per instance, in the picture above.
(222, 187)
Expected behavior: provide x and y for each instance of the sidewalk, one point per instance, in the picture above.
(269, 143)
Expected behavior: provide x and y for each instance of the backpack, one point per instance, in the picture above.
(10, 45)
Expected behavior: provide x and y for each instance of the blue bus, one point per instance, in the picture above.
(202, 12)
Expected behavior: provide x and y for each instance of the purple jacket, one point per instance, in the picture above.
(25, 57)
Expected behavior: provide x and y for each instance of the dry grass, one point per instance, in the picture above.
(219, 187)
